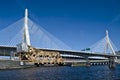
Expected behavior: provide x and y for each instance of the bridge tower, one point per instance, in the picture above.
(108, 44)
(26, 37)
(23, 46)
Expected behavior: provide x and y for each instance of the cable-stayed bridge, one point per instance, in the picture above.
(28, 33)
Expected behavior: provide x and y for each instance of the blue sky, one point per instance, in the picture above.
(78, 23)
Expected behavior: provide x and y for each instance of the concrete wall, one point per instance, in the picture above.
(9, 64)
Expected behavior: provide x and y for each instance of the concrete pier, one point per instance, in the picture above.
(112, 63)
(10, 64)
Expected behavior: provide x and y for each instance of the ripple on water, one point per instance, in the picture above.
(62, 73)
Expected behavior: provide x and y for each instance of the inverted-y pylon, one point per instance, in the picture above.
(104, 45)
(108, 44)
(25, 38)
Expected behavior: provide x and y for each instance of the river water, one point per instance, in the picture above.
(62, 73)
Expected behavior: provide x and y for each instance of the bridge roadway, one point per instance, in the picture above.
(82, 53)
(68, 52)
(110, 57)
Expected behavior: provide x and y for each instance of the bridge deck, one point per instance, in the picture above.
(83, 53)
(68, 52)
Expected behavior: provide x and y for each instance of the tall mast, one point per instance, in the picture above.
(26, 37)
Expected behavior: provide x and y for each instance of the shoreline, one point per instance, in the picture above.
(13, 64)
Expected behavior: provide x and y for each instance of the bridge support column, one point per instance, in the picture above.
(87, 61)
(111, 62)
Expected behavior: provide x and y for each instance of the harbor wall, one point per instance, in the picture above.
(9, 64)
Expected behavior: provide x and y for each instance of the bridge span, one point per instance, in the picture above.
(25, 51)
(110, 59)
